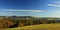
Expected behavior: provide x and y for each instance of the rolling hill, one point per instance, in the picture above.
(37, 27)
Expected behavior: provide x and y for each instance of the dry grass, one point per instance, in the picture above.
(37, 27)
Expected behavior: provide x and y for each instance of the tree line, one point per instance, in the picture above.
(20, 22)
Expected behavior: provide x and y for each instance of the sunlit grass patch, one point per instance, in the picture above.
(37, 27)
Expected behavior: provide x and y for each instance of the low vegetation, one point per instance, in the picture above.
(14, 21)
(37, 27)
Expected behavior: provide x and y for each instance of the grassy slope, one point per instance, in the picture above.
(37, 27)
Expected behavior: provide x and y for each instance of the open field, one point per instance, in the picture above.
(37, 27)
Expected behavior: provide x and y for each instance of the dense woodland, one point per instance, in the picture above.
(20, 21)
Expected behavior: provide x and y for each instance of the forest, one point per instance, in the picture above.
(20, 21)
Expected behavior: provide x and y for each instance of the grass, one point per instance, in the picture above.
(37, 27)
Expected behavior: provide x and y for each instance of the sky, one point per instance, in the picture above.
(38, 8)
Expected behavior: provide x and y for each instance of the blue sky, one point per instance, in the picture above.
(40, 8)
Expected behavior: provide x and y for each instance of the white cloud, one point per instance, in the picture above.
(51, 5)
(54, 5)
(13, 10)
